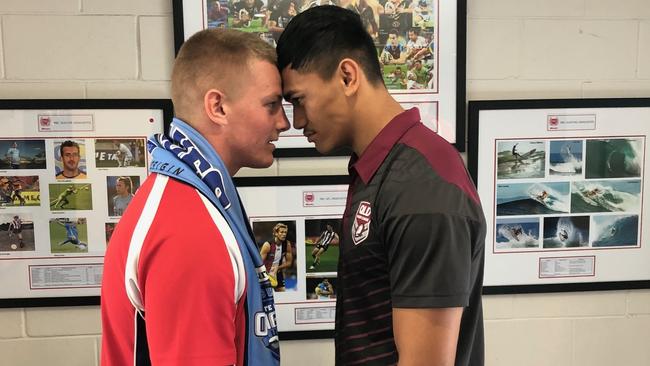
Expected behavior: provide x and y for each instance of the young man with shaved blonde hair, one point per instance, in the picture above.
(183, 281)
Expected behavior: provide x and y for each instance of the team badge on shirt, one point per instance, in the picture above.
(361, 226)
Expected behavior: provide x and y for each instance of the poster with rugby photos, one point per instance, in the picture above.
(420, 48)
(296, 222)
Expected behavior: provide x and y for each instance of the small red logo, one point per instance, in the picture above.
(553, 122)
(308, 198)
(361, 225)
(44, 121)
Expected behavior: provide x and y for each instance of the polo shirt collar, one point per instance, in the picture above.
(370, 160)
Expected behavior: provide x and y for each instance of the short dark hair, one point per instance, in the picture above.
(127, 182)
(317, 39)
(68, 143)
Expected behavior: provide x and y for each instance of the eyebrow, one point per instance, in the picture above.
(272, 98)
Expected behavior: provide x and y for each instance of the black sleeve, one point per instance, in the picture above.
(428, 227)
(429, 256)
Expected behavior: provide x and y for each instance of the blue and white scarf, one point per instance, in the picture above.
(186, 155)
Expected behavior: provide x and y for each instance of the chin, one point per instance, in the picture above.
(262, 163)
(324, 149)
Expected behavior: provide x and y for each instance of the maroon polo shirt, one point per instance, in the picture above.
(413, 237)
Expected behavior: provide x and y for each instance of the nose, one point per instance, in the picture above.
(299, 120)
(282, 123)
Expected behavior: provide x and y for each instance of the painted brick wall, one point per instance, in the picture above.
(516, 49)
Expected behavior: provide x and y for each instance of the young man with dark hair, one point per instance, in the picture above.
(70, 157)
(412, 246)
(183, 280)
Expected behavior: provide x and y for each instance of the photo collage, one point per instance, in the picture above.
(56, 183)
(404, 31)
(578, 193)
(287, 256)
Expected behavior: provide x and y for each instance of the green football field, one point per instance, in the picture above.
(58, 234)
(82, 200)
(328, 260)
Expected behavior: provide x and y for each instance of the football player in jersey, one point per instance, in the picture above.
(13, 156)
(245, 11)
(327, 237)
(324, 290)
(16, 228)
(62, 200)
(123, 195)
(123, 154)
(72, 234)
(276, 255)
(18, 189)
(6, 191)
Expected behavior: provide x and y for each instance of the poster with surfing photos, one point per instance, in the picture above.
(562, 186)
(70, 167)
(420, 49)
(296, 224)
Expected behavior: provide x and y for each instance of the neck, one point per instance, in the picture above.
(70, 174)
(215, 136)
(375, 108)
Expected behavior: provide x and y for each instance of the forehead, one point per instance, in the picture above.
(263, 79)
(294, 81)
(70, 148)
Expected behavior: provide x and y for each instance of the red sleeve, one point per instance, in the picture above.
(188, 283)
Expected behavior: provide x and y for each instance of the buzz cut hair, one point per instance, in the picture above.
(214, 58)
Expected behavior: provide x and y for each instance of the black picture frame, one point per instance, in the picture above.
(454, 112)
(482, 151)
(52, 107)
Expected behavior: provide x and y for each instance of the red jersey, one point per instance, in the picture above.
(186, 272)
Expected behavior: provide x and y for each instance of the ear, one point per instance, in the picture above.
(349, 73)
(213, 101)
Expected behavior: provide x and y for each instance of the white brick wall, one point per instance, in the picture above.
(516, 49)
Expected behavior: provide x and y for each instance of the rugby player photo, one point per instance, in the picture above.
(16, 233)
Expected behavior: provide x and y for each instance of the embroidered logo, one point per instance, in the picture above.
(361, 225)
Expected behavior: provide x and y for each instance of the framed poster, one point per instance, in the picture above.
(305, 213)
(562, 184)
(420, 45)
(68, 169)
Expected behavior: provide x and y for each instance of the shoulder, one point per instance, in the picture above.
(425, 153)
(425, 174)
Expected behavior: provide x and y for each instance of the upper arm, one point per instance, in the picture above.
(426, 336)
(289, 253)
(426, 226)
(265, 250)
(429, 258)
